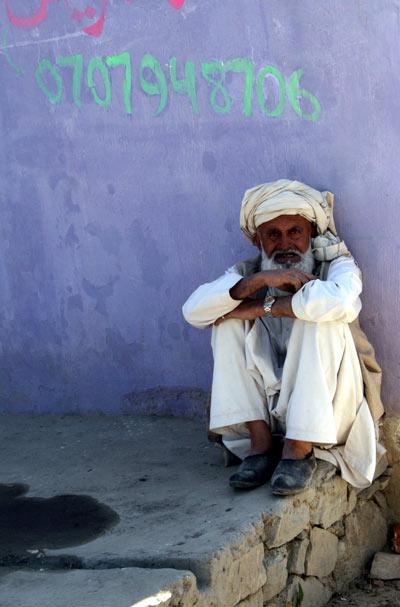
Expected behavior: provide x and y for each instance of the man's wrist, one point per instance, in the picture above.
(260, 307)
(282, 307)
(248, 286)
(267, 305)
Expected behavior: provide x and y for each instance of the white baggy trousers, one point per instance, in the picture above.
(311, 389)
(317, 395)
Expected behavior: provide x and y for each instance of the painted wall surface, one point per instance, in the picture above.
(129, 131)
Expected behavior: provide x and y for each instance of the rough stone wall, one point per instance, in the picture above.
(391, 430)
(344, 529)
(302, 551)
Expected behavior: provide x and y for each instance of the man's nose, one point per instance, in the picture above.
(286, 242)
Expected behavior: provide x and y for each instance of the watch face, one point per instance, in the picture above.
(268, 302)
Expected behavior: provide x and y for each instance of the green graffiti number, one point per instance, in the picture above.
(124, 59)
(265, 72)
(159, 87)
(187, 85)
(218, 86)
(96, 63)
(296, 93)
(76, 62)
(247, 68)
(273, 91)
(43, 66)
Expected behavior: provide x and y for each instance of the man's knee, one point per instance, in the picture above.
(319, 333)
(229, 332)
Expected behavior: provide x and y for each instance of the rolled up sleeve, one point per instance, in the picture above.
(334, 299)
(211, 301)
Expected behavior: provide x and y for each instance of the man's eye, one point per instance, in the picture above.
(295, 231)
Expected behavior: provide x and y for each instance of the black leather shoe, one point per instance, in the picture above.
(293, 475)
(255, 470)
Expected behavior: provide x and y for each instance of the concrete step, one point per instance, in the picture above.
(128, 493)
(88, 588)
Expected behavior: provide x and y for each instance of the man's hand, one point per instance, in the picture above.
(253, 308)
(247, 310)
(290, 280)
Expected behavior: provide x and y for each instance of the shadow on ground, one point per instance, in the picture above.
(34, 524)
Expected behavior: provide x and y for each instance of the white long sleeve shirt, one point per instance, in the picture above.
(334, 299)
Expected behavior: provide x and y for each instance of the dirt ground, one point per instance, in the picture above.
(368, 593)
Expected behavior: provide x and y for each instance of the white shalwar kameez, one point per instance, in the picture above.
(302, 376)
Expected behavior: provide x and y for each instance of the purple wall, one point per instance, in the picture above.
(111, 215)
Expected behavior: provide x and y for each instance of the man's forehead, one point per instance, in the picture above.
(284, 222)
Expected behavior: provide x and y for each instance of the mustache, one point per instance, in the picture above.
(302, 261)
(276, 254)
(286, 252)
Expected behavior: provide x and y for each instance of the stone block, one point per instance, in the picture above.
(324, 473)
(297, 556)
(322, 553)
(276, 572)
(313, 592)
(391, 430)
(278, 601)
(352, 496)
(392, 492)
(338, 529)
(366, 533)
(304, 592)
(233, 580)
(330, 503)
(380, 500)
(281, 529)
(378, 484)
(341, 549)
(385, 566)
(255, 600)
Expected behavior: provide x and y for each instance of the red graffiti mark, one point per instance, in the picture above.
(178, 4)
(33, 20)
(97, 28)
(94, 29)
(78, 15)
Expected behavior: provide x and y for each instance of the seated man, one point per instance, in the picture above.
(285, 360)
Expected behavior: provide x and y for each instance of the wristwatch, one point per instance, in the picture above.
(267, 305)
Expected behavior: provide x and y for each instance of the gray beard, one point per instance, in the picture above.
(306, 263)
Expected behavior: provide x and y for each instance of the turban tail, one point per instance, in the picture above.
(284, 197)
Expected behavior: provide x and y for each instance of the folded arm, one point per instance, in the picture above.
(314, 300)
(211, 301)
(229, 296)
(334, 299)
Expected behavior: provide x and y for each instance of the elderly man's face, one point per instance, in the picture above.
(283, 236)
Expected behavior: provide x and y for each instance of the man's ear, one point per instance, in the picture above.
(314, 231)
(256, 241)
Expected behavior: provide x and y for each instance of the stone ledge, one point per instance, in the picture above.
(88, 588)
(176, 511)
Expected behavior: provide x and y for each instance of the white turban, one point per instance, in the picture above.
(284, 197)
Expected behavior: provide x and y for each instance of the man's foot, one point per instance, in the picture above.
(255, 470)
(260, 437)
(296, 449)
(293, 475)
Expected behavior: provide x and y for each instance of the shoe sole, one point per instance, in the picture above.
(289, 491)
(244, 485)
(292, 491)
